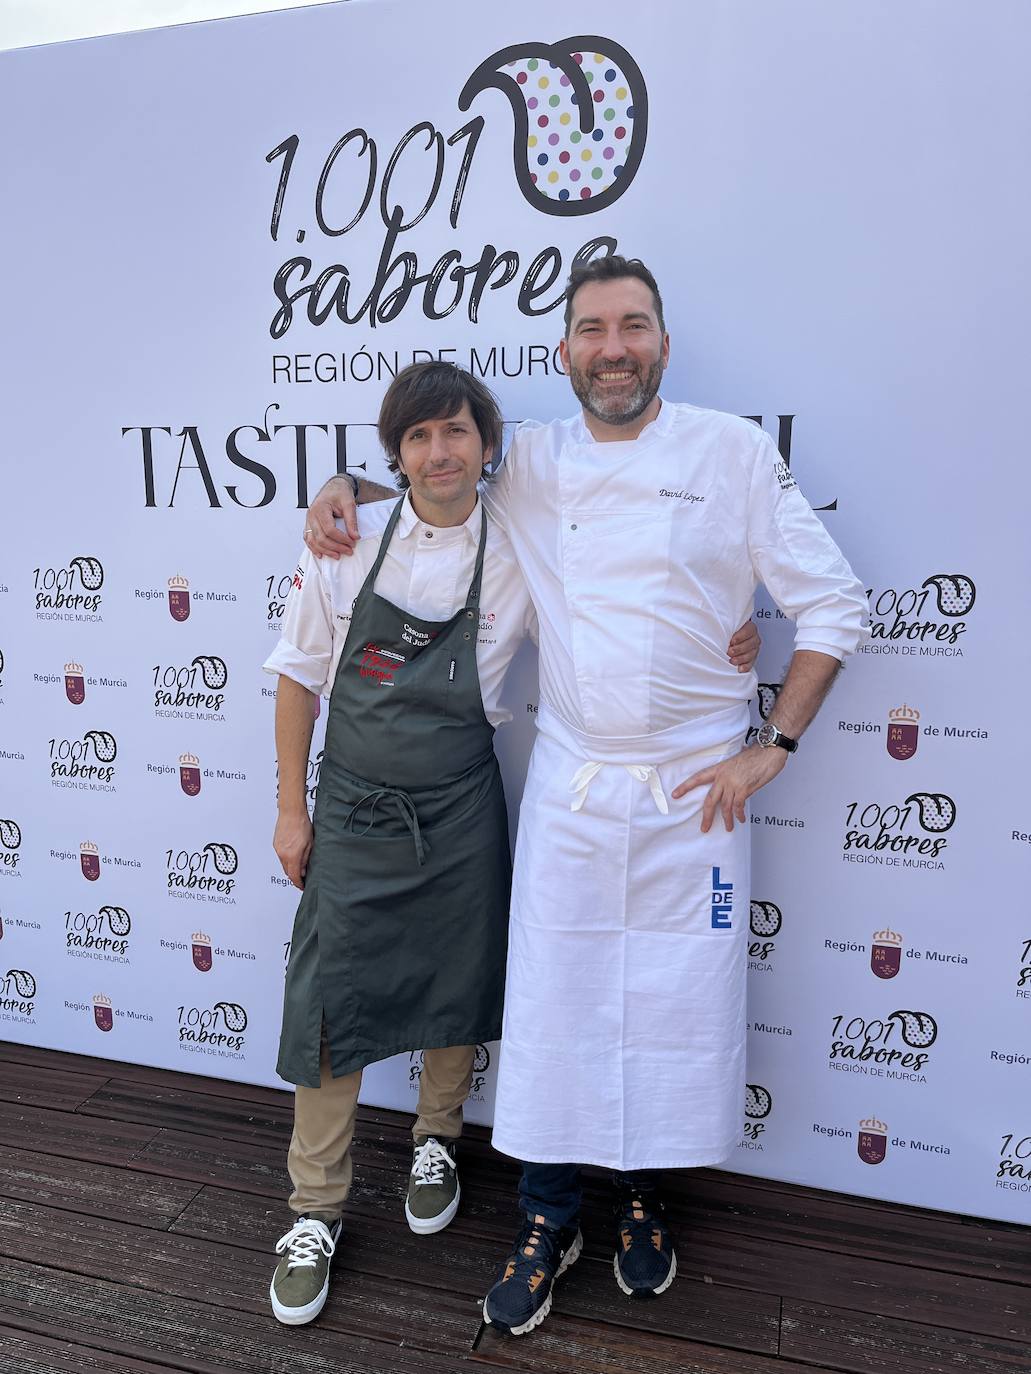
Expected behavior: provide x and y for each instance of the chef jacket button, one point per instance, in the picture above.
(429, 534)
(572, 527)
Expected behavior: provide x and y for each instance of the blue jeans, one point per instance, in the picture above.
(552, 1191)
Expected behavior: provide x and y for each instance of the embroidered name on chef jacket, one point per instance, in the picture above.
(722, 903)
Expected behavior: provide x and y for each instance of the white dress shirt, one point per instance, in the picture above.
(426, 571)
(642, 558)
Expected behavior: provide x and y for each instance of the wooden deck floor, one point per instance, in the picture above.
(139, 1209)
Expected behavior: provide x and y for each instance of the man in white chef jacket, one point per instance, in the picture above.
(642, 528)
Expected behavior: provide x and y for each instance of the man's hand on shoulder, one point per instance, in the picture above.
(336, 501)
(732, 782)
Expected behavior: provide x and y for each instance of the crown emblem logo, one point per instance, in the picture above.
(872, 1144)
(886, 953)
(189, 774)
(89, 860)
(903, 732)
(103, 1013)
(179, 597)
(202, 959)
(75, 683)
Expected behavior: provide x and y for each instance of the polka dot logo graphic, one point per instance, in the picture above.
(580, 108)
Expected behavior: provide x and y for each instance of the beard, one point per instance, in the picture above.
(624, 408)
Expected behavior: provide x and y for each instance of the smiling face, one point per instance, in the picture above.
(615, 354)
(443, 460)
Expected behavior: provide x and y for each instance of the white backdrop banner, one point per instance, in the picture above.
(221, 243)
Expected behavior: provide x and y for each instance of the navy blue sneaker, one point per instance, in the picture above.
(645, 1262)
(521, 1298)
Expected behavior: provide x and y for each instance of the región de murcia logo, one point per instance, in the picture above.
(10, 843)
(891, 834)
(204, 875)
(69, 593)
(191, 691)
(896, 1047)
(928, 620)
(872, 1144)
(217, 1030)
(87, 763)
(18, 993)
(101, 935)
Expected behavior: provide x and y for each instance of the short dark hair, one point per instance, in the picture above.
(434, 391)
(610, 268)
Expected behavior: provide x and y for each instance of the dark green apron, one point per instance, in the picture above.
(400, 938)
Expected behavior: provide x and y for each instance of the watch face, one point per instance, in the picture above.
(766, 734)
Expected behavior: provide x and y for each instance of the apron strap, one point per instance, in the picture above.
(405, 808)
(370, 582)
(473, 597)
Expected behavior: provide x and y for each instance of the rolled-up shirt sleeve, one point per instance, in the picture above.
(305, 648)
(799, 563)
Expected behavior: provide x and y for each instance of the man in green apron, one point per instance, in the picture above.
(400, 937)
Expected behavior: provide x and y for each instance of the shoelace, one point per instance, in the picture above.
(540, 1240)
(305, 1240)
(428, 1163)
(640, 1228)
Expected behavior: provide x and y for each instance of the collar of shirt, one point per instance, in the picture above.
(659, 427)
(409, 524)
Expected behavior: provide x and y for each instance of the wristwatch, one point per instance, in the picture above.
(768, 736)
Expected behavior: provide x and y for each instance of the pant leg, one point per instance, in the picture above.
(443, 1088)
(551, 1191)
(320, 1148)
(638, 1180)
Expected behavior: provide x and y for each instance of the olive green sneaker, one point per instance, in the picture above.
(433, 1191)
(301, 1281)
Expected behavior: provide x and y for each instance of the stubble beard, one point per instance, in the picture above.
(618, 411)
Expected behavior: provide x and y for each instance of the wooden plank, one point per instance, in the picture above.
(200, 1337)
(377, 1241)
(55, 1088)
(97, 1190)
(76, 1137)
(864, 1344)
(563, 1345)
(202, 1113)
(95, 1066)
(29, 1353)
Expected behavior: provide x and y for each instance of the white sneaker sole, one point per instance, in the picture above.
(645, 1292)
(297, 1316)
(570, 1257)
(426, 1226)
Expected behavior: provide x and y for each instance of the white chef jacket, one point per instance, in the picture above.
(426, 571)
(624, 1032)
(642, 558)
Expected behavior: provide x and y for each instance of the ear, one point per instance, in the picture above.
(563, 353)
(665, 350)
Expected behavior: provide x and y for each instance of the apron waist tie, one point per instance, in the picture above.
(406, 810)
(580, 783)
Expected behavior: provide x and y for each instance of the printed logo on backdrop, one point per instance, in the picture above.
(872, 1145)
(903, 733)
(18, 993)
(203, 952)
(87, 764)
(277, 589)
(1013, 1171)
(928, 621)
(898, 1047)
(203, 875)
(764, 923)
(10, 843)
(90, 859)
(911, 834)
(104, 1014)
(481, 1065)
(191, 691)
(179, 595)
(217, 1030)
(758, 1106)
(70, 593)
(888, 953)
(100, 935)
(1024, 971)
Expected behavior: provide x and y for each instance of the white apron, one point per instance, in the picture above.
(624, 1031)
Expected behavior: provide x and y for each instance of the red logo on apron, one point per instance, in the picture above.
(202, 951)
(89, 861)
(179, 598)
(189, 774)
(380, 665)
(903, 732)
(74, 683)
(886, 953)
(103, 1013)
(872, 1145)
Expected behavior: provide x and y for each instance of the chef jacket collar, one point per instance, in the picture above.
(658, 428)
(409, 523)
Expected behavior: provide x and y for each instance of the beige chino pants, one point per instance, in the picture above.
(320, 1149)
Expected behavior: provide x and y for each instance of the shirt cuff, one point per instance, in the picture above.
(836, 643)
(288, 661)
